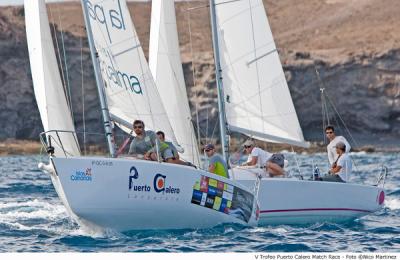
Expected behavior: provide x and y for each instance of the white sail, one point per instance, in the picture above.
(166, 66)
(257, 98)
(129, 86)
(48, 88)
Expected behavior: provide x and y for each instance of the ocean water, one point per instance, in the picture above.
(33, 219)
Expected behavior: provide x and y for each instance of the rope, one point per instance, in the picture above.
(297, 162)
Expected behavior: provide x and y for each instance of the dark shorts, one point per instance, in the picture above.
(277, 158)
(332, 178)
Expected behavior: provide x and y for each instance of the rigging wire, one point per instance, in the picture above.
(65, 84)
(297, 162)
(193, 73)
(325, 114)
(83, 99)
(59, 56)
(324, 108)
(342, 121)
(68, 86)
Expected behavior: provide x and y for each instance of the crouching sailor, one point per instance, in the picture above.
(341, 168)
(217, 164)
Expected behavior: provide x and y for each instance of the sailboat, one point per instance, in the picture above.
(122, 193)
(130, 194)
(254, 100)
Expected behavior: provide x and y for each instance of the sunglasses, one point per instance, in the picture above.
(137, 127)
(247, 146)
(329, 132)
(207, 150)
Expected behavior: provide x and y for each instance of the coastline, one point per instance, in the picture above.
(30, 147)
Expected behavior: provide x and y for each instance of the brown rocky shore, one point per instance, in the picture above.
(355, 45)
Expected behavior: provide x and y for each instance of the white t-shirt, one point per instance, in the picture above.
(332, 155)
(347, 166)
(262, 156)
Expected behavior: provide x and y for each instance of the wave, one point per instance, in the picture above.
(393, 204)
(33, 215)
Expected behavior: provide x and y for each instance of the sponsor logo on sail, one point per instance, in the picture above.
(82, 175)
(111, 19)
(118, 78)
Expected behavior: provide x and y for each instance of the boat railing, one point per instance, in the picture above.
(382, 176)
(74, 143)
(68, 142)
(52, 140)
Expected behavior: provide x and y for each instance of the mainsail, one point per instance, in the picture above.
(256, 94)
(129, 86)
(166, 66)
(48, 88)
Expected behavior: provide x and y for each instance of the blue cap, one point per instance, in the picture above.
(209, 147)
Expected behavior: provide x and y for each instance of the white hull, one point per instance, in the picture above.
(127, 194)
(293, 201)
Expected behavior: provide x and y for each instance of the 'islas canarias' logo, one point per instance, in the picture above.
(82, 175)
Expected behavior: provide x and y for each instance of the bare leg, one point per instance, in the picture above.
(153, 157)
(274, 169)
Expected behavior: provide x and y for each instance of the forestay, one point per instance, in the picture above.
(257, 98)
(129, 86)
(166, 66)
(48, 88)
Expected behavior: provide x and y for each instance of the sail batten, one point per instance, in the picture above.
(257, 97)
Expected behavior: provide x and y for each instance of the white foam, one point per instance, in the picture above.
(13, 214)
(392, 204)
(358, 153)
(280, 230)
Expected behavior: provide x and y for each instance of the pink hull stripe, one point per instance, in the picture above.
(314, 209)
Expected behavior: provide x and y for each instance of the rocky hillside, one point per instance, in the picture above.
(355, 45)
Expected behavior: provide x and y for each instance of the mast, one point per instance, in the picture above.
(99, 83)
(218, 75)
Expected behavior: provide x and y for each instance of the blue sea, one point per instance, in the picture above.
(33, 219)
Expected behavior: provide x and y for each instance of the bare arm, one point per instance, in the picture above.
(252, 162)
(335, 169)
(211, 168)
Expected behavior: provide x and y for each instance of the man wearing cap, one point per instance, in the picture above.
(333, 140)
(273, 163)
(217, 164)
(341, 168)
